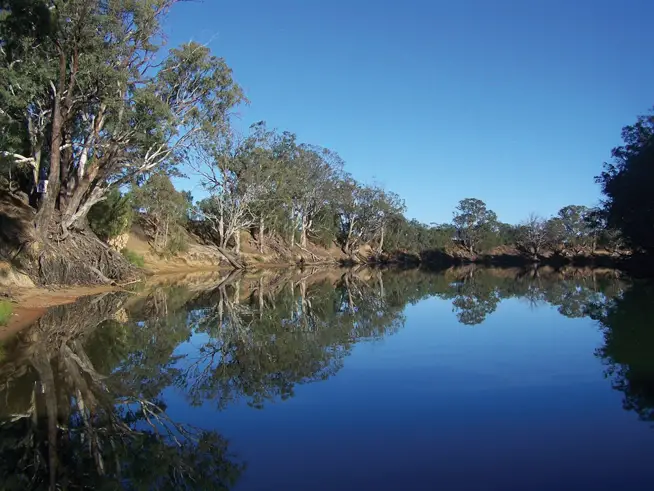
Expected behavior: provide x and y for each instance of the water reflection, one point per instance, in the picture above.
(628, 326)
(82, 409)
(82, 389)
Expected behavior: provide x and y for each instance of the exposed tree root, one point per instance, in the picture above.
(79, 259)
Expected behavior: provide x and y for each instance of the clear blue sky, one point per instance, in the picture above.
(515, 102)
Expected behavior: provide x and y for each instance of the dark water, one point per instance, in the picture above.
(471, 380)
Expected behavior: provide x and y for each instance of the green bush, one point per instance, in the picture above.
(133, 257)
(113, 216)
(177, 242)
(5, 312)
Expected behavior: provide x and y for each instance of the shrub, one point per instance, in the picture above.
(5, 312)
(133, 257)
(177, 242)
(113, 216)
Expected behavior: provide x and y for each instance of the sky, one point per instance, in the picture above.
(515, 102)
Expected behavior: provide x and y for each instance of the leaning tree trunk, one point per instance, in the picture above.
(221, 224)
(381, 241)
(306, 224)
(347, 245)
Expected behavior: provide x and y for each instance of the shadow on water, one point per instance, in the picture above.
(82, 389)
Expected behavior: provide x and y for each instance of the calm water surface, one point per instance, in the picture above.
(470, 380)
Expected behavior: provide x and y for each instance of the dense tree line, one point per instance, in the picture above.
(87, 115)
(476, 230)
(89, 110)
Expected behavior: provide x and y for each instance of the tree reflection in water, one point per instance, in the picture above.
(82, 407)
(628, 327)
(83, 387)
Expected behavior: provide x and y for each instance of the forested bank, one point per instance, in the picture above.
(95, 120)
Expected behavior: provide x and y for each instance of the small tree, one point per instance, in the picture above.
(164, 210)
(474, 223)
(532, 235)
(113, 216)
(577, 236)
(555, 233)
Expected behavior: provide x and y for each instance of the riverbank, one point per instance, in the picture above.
(31, 303)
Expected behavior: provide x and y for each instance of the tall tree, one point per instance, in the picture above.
(627, 182)
(238, 174)
(101, 115)
(311, 185)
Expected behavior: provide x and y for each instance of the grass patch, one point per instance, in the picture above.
(5, 312)
(133, 257)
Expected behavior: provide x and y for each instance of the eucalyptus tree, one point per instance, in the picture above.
(85, 109)
(474, 223)
(229, 208)
(364, 213)
(576, 231)
(311, 186)
(164, 212)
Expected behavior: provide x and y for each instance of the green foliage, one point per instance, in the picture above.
(476, 226)
(133, 257)
(417, 237)
(628, 345)
(576, 232)
(123, 117)
(164, 211)
(113, 216)
(627, 185)
(6, 309)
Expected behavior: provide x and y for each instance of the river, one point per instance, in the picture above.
(469, 379)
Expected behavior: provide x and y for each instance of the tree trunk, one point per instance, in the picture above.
(237, 239)
(261, 230)
(349, 237)
(303, 236)
(237, 292)
(350, 301)
(41, 363)
(381, 241)
(47, 208)
(165, 241)
(221, 225)
(260, 295)
(303, 296)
